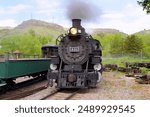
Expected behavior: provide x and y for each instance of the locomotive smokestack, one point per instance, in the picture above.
(76, 23)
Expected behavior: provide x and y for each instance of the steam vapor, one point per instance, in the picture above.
(79, 9)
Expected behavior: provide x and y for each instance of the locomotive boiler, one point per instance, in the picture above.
(77, 61)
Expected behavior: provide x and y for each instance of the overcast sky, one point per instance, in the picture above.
(124, 15)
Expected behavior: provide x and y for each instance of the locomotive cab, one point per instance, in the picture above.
(78, 64)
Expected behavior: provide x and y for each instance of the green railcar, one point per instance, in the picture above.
(11, 69)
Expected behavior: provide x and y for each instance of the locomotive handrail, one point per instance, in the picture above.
(12, 56)
(59, 37)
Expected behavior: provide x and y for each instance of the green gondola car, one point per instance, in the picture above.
(11, 69)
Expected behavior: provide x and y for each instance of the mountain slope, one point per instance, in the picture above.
(143, 32)
(106, 31)
(39, 27)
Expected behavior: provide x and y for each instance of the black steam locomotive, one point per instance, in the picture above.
(76, 60)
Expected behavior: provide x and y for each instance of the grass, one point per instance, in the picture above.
(145, 71)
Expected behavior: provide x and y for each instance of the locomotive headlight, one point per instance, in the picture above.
(53, 66)
(97, 67)
(79, 31)
(73, 31)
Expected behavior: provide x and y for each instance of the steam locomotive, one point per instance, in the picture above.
(76, 59)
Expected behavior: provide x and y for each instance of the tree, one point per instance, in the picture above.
(32, 32)
(145, 4)
(146, 42)
(116, 45)
(133, 45)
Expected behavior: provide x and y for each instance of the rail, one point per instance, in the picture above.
(24, 94)
(61, 94)
(18, 86)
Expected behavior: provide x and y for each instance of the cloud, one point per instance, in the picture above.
(14, 9)
(8, 22)
(47, 4)
(125, 17)
(49, 10)
(10, 14)
(130, 19)
(112, 15)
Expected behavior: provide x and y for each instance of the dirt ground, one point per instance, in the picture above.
(115, 86)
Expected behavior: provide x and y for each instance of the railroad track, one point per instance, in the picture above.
(23, 94)
(19, 85)
(60, 94)
(24, 89)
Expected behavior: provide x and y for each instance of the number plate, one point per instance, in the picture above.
(74, 49)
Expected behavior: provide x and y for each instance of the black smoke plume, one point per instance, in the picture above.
(81, 9)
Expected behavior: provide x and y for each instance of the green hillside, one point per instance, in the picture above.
(4, 32)
(29, 36)
(103, 31)
(118, 47)
(108, 38)
(143, 32)
(118, 44)
(39, 27)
